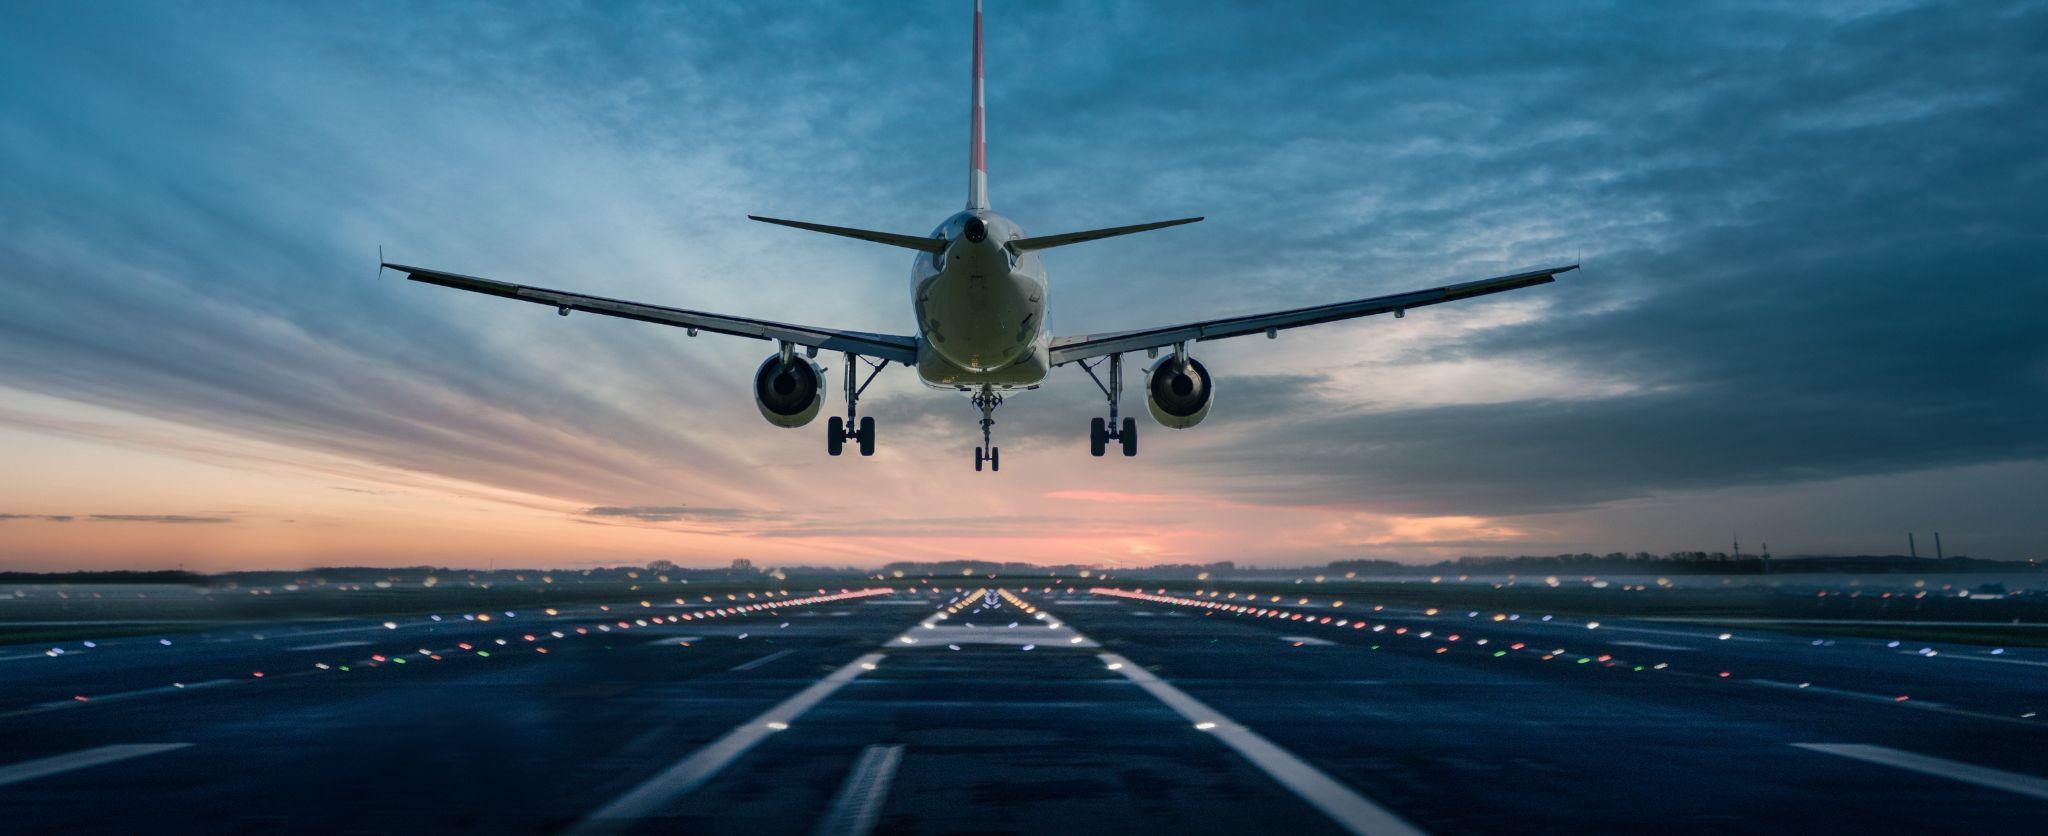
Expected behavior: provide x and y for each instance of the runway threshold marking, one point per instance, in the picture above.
(747, 666)
(1983, 776)
(84, 758)
(1352, 811)
(692, 771)
(859, 802)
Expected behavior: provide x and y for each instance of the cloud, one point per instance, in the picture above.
(1811, 235)
(668, 513)
(170, 519)
(173, 519)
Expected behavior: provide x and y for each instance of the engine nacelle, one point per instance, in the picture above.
(1177, 394)
(789, 394)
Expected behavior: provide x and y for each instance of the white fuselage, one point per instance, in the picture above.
(980, 307)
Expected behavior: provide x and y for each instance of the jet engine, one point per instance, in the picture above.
(789, 393)
(1178, 392)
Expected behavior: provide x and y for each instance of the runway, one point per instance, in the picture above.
(931, 713)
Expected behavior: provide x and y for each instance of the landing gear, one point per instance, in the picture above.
(1101, 431)
(838, 430)
(987, 400)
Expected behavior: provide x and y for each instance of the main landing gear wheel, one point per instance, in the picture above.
(1102, 431)
(861, 430)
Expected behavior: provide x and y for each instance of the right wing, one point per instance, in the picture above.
(1087, 346)
(879, 346)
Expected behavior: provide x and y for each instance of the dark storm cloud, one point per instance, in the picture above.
(1813, 230)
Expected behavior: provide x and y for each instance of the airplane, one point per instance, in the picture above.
(980, 296)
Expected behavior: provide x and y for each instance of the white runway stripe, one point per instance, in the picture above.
(859, 802)
(1352, 811)
(690, 772)
(59, 764)
(1982, 776)
(747, 666)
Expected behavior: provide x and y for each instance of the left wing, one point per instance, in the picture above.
(879, 346)
(1086, 346)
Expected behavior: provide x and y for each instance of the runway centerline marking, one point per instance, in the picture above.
(1983, 776)
(59, 764)
(700, 766)
(859, 802)
(1352, 811)
(747, 666)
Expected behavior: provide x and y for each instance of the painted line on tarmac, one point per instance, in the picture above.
(1654, 646)
(1350, 810)
(747, 666)
(1983, 776)
(692, 771)
(1978, 659)
(328, 646)
(1939, 708)
(859, 802)
(1307, 640)
(60, 764)
(144, 692)
(43, 655)
(674, 641)
(1837, 692)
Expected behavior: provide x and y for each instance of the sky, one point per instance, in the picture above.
(1810, 312)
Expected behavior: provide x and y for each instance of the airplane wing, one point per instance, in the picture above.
(879, 346)
(1087, 346)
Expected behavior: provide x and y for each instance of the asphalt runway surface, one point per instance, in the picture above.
(1020, 712)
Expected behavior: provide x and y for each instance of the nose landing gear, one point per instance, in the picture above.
(987, 400)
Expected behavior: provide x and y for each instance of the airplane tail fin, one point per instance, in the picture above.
(977, 152)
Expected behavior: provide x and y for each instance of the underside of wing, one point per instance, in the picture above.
(901, 349)
(1086, 346)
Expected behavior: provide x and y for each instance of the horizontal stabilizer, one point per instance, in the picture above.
(914, 242)
(1049, 241)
